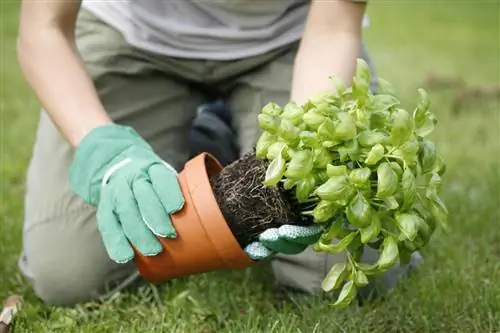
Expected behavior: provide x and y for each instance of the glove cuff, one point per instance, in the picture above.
(95, 153)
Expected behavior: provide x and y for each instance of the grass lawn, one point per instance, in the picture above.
(458, 288)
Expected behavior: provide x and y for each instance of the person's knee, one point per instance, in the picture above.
(303, 272)
(56, 283)
(67, 263)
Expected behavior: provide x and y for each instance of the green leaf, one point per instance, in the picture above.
(428, 126)
(268, 123)
(336, 230)
(371, 138)
(336, 170)
(322, 158)
(391, 203)
(288, 184)
(349, 150)
(329, 144)
(356, 249)
(360, 90)
(310, 139)
(427, 156)
(334, 188)
(361, 79)
(379, 119)
(275, 171)
(338, 84)
(439, 166)
(323, 99)
(385, 87)
(409, 186)
(272, 109)
(434, 185)
(367, 268)
(424, 101)
(339, 246)
(375, 154)
(360, 279)
(362, 70)
(302, 126)
(404, 254)
(300, 164)
(387, 181)
(293, 112)
(402, 127)
(324, 211)
(397, 168)
(313, 119)
(321, 176)
(419, 115)
(334, 278)
(359, 211)
(372, 231)
(408, 224)
(383, 102)
(440, 212)
(289, 132)
(304, 188)
(389, 255)
(424, 230)
(408, 152)
(327, 109)
(276, 149)
(409, 246)
(326, 130)
(265, 140)
(348, 195)
(346, 295)
(345, 129)
(360, 177)
(309, 105)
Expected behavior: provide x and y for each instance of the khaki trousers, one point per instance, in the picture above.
(63, 255)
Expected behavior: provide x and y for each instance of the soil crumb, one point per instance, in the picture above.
(248, 206)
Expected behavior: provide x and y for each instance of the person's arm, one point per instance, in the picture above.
(51, 64)
(330, 46)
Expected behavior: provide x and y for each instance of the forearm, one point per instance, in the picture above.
(330, 46)
(56, 73)
(319, 58)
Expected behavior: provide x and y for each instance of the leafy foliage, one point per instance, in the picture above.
(361, 165)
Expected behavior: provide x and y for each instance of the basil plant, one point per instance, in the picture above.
(362, 166)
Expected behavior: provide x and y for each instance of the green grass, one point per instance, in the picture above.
(458, 288)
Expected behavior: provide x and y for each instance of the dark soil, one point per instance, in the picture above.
(248, 206)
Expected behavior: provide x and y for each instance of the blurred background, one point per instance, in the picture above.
(451, 48)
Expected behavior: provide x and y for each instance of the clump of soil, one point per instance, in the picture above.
(248, 206)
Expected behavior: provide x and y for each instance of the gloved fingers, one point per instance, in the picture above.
(306, 235)
(256, 251)
(133, 225)
(167, 187)
(272, 240)
(113, 237)
(151, 209)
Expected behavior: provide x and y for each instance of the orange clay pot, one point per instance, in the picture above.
(204, 242)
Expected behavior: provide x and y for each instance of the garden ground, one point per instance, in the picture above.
(458, 288)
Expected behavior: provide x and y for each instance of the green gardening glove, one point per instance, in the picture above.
(287, 239)
(134, 190)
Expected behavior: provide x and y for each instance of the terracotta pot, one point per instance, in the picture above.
(204, 241)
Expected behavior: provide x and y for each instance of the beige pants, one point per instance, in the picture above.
(63, 255)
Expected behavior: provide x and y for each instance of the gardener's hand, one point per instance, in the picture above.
(134, 191)
(287, 239)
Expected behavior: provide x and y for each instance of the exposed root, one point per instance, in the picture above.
(248, 206)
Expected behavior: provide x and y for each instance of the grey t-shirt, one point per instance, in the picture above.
(205, 29)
